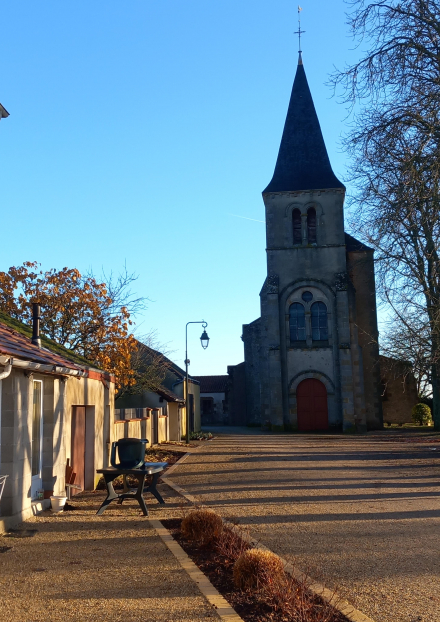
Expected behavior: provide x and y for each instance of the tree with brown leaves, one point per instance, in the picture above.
(85, 315)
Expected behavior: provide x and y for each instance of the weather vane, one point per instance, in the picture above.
(299, 32)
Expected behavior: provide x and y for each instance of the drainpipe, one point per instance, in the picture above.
(43, 368)
(36, 340)
(7, 370)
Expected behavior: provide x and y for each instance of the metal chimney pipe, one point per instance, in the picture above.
(36, 324)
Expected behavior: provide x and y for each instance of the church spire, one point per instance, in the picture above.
(303, 162)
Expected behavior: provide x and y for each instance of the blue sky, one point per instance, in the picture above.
(137, 131)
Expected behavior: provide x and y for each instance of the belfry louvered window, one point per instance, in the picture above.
(319, 322)
(297, 322)
(296, 223)
(311, 225)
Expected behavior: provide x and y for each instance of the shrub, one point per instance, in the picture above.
(421, 414)
(201, 436)
(295, 601)
(255, 568)
(201, 526)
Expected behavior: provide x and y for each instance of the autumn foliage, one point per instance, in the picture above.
(78, 312)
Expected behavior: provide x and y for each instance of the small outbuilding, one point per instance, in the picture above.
(213, 392)
(54, 407)
(160, 414)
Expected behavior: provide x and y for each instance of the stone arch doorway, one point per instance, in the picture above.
(312, 406)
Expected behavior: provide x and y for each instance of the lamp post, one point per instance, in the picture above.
(204, 340)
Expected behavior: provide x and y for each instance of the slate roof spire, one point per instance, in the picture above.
(303, 162)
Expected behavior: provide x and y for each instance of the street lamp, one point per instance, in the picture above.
(204, 340)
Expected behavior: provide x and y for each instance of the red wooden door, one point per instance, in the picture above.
(312, 408)
(78, 445)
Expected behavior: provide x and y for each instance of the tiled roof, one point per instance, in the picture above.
(355, 246)
(54, 347)
(16, 345)
(171, 366)
(168, 395)
(15, 342)
(212, 384)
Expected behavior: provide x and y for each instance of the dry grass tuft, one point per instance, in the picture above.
(294, 599)
(230, 543)
(202, 526)
(255, 568)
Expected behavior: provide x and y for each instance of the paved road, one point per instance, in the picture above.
(79, 567)
(363, 512)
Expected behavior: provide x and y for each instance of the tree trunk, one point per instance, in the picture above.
(436, 395)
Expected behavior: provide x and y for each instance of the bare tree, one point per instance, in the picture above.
(393, 92)
(406, 348)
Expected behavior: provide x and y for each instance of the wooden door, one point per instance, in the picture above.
(78, 445)
(312, 407)
(154, 426)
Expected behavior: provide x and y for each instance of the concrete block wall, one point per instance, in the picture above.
(16, 414)
(141, 428)
(16, 435)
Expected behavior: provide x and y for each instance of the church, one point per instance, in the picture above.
(312, 358)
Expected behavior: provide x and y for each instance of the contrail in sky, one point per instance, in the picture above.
(246, 218)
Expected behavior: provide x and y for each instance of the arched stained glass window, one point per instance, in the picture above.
(296, 222)
(297, 322)
(311, 225)
(319, 322)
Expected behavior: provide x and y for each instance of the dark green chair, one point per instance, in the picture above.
(131, 453)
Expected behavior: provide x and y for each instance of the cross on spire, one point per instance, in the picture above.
(299, 32)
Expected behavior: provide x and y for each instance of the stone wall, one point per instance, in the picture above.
(361, 272)
(399, 391)
(251, 339)
(213, 408)
(236, 395)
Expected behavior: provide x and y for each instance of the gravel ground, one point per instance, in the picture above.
(81, 567)
(361, 513)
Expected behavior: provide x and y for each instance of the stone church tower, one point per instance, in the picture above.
(311, 360)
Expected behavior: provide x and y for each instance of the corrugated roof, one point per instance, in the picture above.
(212, 384)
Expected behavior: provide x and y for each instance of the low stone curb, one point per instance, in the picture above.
(350, 612)
(176, 464)
(181, 491)
(223, 609)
